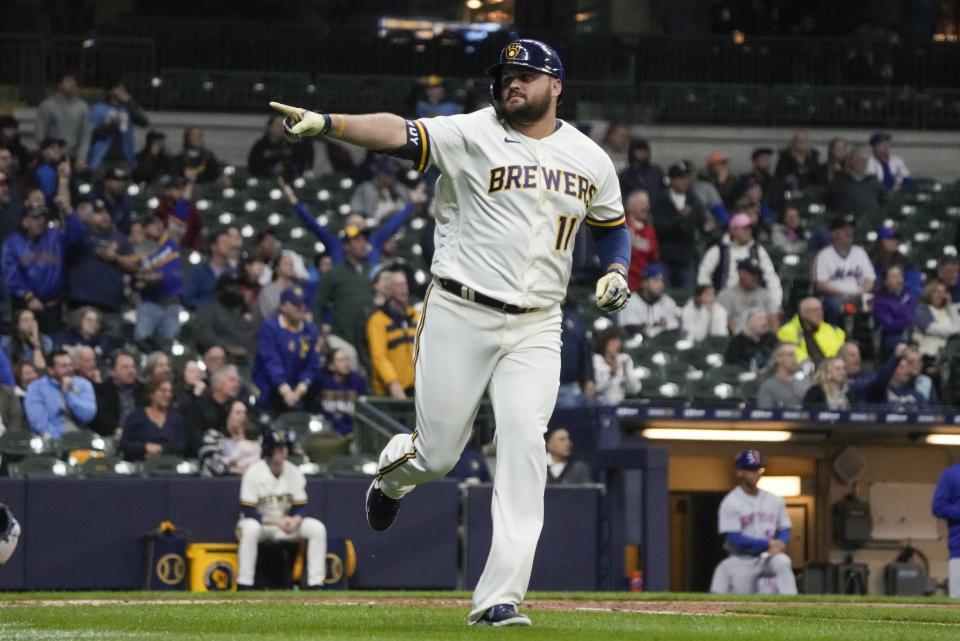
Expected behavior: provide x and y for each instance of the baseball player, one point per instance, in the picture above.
(757, 530)
(273, 498)
(515, 185)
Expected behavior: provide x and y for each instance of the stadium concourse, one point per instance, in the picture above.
(797, 294)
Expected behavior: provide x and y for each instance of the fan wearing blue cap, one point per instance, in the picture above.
(650, 311)
(756, 529)
(287, 363)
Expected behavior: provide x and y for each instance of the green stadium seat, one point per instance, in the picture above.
(107, 466)
(43, 466)
(169, 465)
(24, 443)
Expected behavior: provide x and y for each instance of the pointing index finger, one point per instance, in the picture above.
(293, 113)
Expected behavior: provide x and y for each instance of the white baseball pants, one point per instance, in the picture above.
(748, 574)
(250, 532)
(463, 349)
(954, 578)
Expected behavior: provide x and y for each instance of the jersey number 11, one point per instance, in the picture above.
(565, 226)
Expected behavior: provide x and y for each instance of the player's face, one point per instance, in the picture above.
(526, 95)
(280, 454)
(750, 478)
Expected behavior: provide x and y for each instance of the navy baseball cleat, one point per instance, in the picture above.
(503, 615)
(381, 509)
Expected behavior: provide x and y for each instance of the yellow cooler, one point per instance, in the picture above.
(213, 567)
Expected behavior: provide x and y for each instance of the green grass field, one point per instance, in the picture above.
(440, 616)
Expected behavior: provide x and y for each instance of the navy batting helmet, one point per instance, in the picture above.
(532, 54)
(750, 460)
(273, 438)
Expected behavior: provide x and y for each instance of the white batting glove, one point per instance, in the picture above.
(299, 122)
(612, 292)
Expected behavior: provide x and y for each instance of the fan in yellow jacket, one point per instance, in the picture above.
(391, 333)
(806, 324)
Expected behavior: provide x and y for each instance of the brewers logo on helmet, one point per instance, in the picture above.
(273, 438)
(531, 54)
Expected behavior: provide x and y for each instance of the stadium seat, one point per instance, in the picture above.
(80, 440)
(301, 423)
(351, 466)
(714, 392)
(24, 443)
(43, 466)
(106, 466)
(169, 465)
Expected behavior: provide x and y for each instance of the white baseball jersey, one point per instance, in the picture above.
(509, 206)
(273, 495)
(896, 166)
(846, 273)
(759, 516)
(651, 318)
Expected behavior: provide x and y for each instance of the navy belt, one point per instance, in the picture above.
(459, 289)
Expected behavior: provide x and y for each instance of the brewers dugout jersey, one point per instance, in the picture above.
(509, 206)
(760, 516)
(273, 495)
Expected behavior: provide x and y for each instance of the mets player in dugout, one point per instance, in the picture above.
(515, 185)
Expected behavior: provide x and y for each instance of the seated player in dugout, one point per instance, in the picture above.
(273, 502)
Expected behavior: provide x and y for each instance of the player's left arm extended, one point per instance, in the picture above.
(613, 249)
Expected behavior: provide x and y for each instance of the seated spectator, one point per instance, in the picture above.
(390, 335)
(45, 175)
(154, 160)
(753, 346)
(11, 411)
(59, 402)
(214, 358)
(894, 310)
(191, 382)
(33, 268)
(837, 151)
(200, 284)
(936, 320)
(753, 203)
(230, 450)
(702, 316)
(286, 365)
(197, 158)
(783, 390)
(113, 191)
(746, 295)
(789, 234)
(383, 195)
(842, 271)
(761, 171)
(612, 369)
(720, 264)
(267, 246)
(922, 383)
(678, 217)
(577, 387)
(284, 276)
(250, 271)
(858, 379)
(86, 328)
(156, 366)
(725, 181)
(643, 238)
(856, 189)
(830, 389)
(155, 429)
(889, 169)
(896, 383)
(799, 163)
(24, 373)
(948, 273)
(66, 115)
(272, 156)
(227, 321)
(616, 143)
(641, 174)
(209, 410)
(113, 118)
(25, 342)
(814, 339)
(649, 310)
(339, 386)
(433, 102)
(886, 254)
(561, 469)
(98, 256)
(160, 283)
(85, 363)
(118, 396)
(10, 140)
(178, 212)
(706, 192)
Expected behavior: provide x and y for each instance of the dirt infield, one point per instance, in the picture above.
(688, 608)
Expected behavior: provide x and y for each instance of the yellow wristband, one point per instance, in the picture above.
(339, 133)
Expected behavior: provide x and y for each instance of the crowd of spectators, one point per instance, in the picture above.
(98, 289)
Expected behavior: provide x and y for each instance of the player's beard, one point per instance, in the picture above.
(529, 110)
